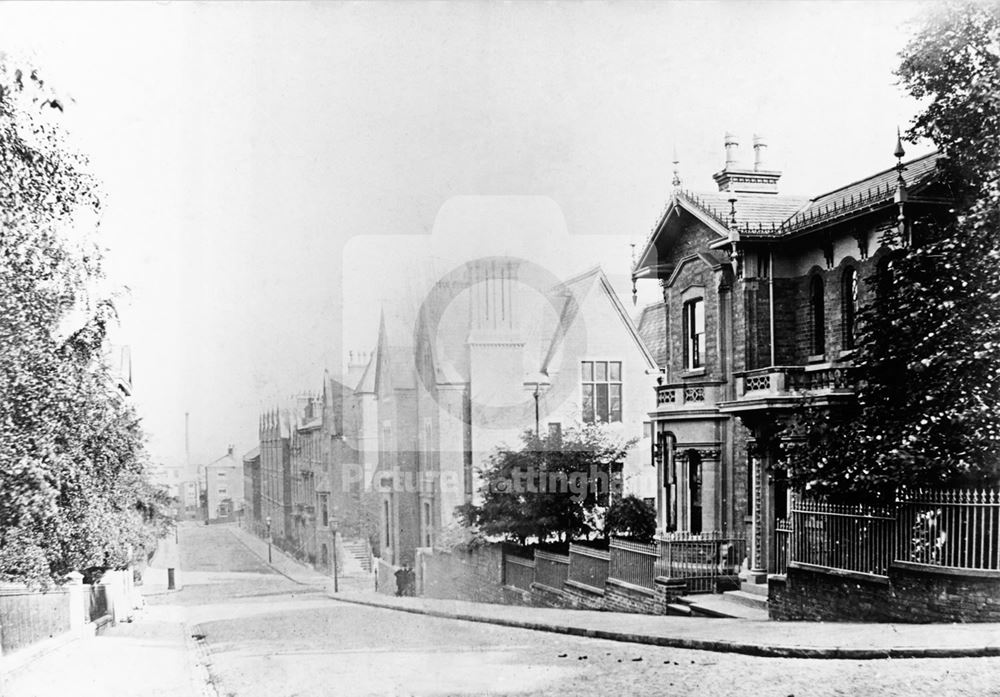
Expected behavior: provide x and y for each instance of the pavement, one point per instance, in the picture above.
(830, 640)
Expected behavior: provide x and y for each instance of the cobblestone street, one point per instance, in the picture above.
(267, 635)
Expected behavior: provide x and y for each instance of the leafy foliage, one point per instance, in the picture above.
(555, 486)
(72, 492)
(633, 518)
(928, 411)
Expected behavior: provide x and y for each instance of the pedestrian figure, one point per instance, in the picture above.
(400, 581)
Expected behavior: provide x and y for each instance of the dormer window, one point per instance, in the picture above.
(694, 334)
(818, 312)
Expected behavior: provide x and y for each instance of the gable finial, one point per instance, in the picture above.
(898, 153)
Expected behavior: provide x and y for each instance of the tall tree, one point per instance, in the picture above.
(552, 488)
(928, 411)
(72, 492)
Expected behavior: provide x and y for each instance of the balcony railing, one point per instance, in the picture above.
(687, 395)
(785, 385)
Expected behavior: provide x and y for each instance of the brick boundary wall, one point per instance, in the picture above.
(545, 596)
(477, 576)
(624, 597)
(582, 597)
(911, 595)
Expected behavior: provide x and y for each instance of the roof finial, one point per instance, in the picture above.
(677, 170)
(898, 153)
(901, 195)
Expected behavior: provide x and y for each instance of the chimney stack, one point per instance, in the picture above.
(742, 179)
(759, 152)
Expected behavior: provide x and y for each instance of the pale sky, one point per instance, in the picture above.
(269, 167)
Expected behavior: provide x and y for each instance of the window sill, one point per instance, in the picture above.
(846, 354)
(693, 373)
(818, 358)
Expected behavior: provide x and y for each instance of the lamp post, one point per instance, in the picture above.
(336, 571)
(268, 521)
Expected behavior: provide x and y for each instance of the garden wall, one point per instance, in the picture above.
(912, 593)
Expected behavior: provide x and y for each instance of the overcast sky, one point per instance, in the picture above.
(269, 169)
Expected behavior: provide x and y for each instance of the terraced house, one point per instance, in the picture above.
(761, 293)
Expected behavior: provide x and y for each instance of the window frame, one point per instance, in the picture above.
(593, 400)
(694, 341)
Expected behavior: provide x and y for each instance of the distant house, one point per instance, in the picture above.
(761, 295)
(224, 487)
(480, 363)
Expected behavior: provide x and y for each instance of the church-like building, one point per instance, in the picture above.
(761, 293)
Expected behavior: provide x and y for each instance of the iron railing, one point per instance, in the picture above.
(702, 560)
(954, 529)
(633, 562)
(95, 598)
(551, 570)
(846, 537)
(588, 566)
(782, 545)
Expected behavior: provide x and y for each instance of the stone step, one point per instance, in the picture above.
(742, 597)
(679, 609)
(755, 588)
(715, 605)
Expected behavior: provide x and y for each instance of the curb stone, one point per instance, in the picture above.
(718, 646)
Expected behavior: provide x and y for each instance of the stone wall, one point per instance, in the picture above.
(476, 575)
(910, 594)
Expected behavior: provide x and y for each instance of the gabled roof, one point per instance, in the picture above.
(574, 291)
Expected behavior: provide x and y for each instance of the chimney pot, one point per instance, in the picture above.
(759, 152)
(732, 150)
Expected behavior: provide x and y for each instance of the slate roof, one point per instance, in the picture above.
(652, 326)
(752, 210)
(873, 190)
(776, 215)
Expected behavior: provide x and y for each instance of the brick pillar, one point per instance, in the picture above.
(77, 608)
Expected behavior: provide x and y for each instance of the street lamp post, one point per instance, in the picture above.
(268, 521)
(336, 573)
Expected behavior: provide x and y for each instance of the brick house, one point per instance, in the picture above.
(760, 297)
(307, 473)
(489, 355)
(275, 472)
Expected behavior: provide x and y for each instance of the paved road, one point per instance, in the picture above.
(268, 636)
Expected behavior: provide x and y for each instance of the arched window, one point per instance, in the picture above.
(818, 315)
(849, 302)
